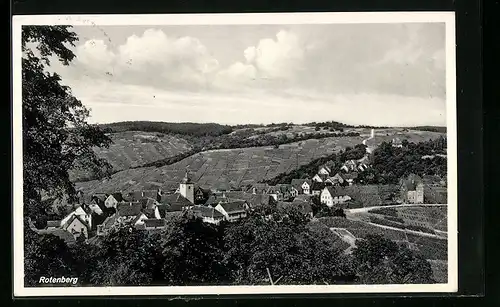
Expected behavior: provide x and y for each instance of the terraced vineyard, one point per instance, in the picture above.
(219, 168)
(135, 148)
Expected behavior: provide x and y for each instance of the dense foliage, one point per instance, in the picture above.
(379, 260)
(389, 163)
(56, 136)
(279, 246)
(430, 128)
(190, 129)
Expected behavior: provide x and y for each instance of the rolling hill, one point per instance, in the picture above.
(135, 148)
(239, 167)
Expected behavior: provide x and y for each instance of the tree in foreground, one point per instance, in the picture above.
(381, 261)
(56, 135)
(279, 248)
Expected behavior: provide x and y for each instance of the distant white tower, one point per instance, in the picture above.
(372, 134)
(186, 188)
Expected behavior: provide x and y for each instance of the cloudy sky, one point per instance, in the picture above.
(377, 74)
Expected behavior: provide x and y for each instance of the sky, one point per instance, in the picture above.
(363, 74)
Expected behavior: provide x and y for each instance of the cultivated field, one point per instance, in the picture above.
(219, 168)
(135, 148)
(430, 248)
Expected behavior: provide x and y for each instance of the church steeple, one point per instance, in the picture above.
(186, 178)
(186, 187)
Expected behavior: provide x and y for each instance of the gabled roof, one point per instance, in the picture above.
(76, 217)
(100, 196)
(250, 198)
(128, 208)
(298, 182)
(302, 199)
(411, 182)
(284, 186)
(148, 203)
(53, 224)
(109, 221)
(118, 196)
(326, 167)
(351, 175)
(318, 186)
(175, 199)
(205, 211)
(234, 206)
(154, 194)
(336, 191)
(134, 195)
(213, 200)
(154, 223)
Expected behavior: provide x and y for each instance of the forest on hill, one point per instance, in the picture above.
(192, 129)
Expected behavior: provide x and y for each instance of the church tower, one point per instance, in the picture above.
(186, 188)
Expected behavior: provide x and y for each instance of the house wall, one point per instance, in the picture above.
(306, 188)
(110, 202)
(77, 227)
(187, 190)
(323, 171)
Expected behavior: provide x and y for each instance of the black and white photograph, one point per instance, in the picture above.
(234, 154)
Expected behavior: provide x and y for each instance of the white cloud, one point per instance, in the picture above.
(149, 59)
(279, 58)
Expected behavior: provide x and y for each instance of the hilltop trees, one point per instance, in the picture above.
(56, 136)
(392, 163)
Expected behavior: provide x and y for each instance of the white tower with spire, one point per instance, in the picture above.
(186, 188)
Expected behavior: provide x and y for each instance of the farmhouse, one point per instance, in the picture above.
(302, 185)
(349, 166)
(320, 177)
(150, 208)
(208, 214)
(412, 189)
(175, 202)
(324, 170)
(338, 179)
(84, 214)
(113, 199)
(233, 211)
(317, 187)
(332, 195)
(77, 227)
(259, 188)
(253, 200)
(350, 178)
(130, 213)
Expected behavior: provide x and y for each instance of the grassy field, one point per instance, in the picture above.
(430, 248)
(436, 216)
(135, 148)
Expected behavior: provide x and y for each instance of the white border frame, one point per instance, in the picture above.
(234, 19)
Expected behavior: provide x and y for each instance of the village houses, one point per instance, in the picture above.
(333, 195)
